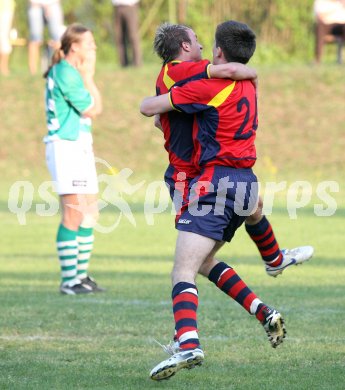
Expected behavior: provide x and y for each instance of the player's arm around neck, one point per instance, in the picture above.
(156, 105)
(234, 71)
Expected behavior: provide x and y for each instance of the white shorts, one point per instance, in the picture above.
(72, 166)
(5, 28)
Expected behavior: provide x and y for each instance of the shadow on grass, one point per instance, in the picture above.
(250, 260)
(51, 257)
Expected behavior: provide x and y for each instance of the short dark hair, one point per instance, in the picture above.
(236, 40)
(169, 39)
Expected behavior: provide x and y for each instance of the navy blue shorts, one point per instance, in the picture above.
(219, 201)
(178, 186)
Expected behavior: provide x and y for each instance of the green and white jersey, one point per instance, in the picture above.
(66, 99)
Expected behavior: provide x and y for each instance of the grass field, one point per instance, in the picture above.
(104, 341)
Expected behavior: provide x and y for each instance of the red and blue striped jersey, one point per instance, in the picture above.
(225, 123)
(178, 127)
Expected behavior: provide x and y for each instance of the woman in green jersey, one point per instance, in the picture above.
(72, 100)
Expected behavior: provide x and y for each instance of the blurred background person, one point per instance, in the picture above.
(41, 13)
(6, 19)
(330, 22)
(126, 30)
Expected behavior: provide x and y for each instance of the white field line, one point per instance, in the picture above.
(43, 338)
(130, 302)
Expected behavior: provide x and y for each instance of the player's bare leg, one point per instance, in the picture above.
(4, 61)
(191, 251)
(34, 56)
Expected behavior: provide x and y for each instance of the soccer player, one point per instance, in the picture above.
(72, 99)
(224, 131)
(178, 47)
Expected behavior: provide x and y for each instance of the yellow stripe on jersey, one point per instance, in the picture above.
(222, 95)
(208, 70)
(167, 80)
(172, 104)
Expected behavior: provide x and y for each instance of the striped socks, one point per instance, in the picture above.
(264, 238)
(185, 305)
(226, 279)
(67, 247)
(85, 240)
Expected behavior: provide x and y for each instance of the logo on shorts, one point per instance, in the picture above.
(79, 183)
(184, 221)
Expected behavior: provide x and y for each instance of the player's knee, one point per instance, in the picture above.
(257, 215)
(71, 222)
(89, 220)
(182, 274)
(204, 270)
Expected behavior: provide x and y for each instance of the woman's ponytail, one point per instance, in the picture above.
(58, 55)
(72, 34)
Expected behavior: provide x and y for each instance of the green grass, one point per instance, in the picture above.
(104, 341)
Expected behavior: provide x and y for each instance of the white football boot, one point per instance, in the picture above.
(183, 359)
(294, 256)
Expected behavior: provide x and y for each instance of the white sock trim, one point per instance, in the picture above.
(188, 335)
(254, 305)
(190, 290)
(84, 256)
(272, 261)
(68, 262)
(226, 269)
(69, 274)
(68, 252)
(71, 243)
(85, 239)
